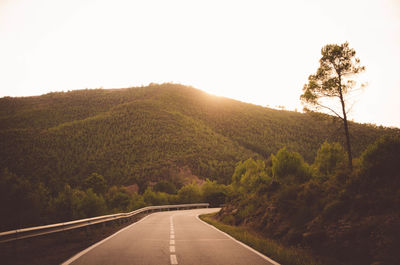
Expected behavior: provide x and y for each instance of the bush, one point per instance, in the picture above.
(22, 203)
(155, 198)
(118, 199)
(96, 182)
(92, 204)
(165, 186)
(66, 205)
(137, 202)
(376, 184)
(250, 175)
(381, 164)
(189, 194)
(289, 167)
(214, 193)
(286, 198)
(329, 158)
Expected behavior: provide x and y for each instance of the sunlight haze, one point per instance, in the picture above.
(260, 52)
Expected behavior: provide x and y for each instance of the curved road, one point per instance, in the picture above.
(175, 237)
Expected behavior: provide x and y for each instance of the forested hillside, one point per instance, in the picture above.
(145, 135)
(136, 135)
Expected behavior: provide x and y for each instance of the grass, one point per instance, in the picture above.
(281, 254)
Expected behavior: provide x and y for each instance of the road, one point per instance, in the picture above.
(175, 237)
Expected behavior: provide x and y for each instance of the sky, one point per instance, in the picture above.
(260, 52)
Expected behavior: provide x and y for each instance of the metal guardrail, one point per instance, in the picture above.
(53, 228)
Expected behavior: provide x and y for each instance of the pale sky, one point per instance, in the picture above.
(260, 52)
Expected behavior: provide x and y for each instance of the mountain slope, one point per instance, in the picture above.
(137, 135)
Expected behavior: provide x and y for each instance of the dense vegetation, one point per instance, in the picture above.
(347, 217)
(83, 153)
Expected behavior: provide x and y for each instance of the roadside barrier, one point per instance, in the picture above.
(53, 228)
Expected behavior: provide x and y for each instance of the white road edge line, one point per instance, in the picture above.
(173, 259)
(241, 243)
(83, 252)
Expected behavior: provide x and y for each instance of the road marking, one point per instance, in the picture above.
(172, 242)
(173, 259)
(83, 252)
(240, 243)
(172, 249)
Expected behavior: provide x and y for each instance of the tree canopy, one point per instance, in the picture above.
(333, 80)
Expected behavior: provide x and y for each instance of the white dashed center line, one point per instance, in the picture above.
(172, 243)
(173, 259)
(172, 249)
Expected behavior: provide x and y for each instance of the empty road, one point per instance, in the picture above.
(175, 237)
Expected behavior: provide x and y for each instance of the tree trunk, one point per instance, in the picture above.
(346, 128)
(346, 131)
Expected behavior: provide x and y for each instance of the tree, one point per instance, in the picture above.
(189, 193)
(330, 157)
(165, 186)
(333, 80)
(118, 198)
(289, 167)
(249, 175)
(214, 193)
(96, 182)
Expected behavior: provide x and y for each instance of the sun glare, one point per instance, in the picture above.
(254, 51)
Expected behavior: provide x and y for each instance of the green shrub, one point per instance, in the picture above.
(286, 198)
(118, 199)
(330, 157)
(250, 175)
(155, 198)
(96, 182)
(92, 204)
(165, 186)
(289, 167)
(189, 194)
(214, 193)
(137, 202)
(380, 163)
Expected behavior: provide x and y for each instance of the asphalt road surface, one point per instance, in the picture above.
(175, 237)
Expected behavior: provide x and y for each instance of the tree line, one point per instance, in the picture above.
(26, 204)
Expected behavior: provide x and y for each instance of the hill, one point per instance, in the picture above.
(147, 134)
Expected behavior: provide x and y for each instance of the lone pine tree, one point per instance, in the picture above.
(332, 80)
